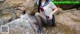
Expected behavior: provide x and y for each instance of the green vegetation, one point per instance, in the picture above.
(65, 2)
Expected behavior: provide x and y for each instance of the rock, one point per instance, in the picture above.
(11, 9)
(21, 25)
(14, 2)
(6, 17)
(70, 18)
